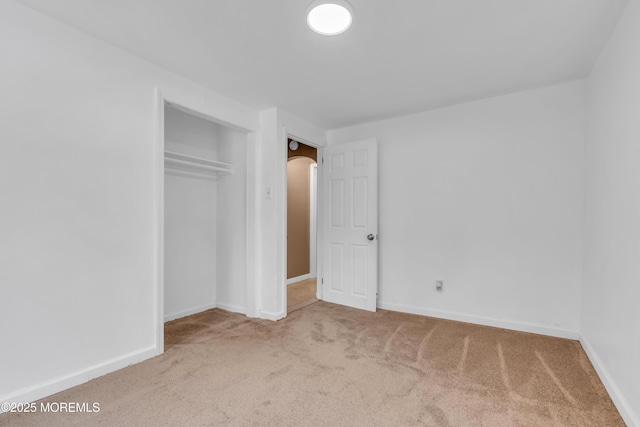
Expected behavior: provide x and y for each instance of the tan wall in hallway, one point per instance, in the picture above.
(298, 197)
(302, 151)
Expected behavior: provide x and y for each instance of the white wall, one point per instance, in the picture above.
(190, 218)
(487, 196)
(80, 184)
(266, 260)
(611, 304)
(190, 245)
(189, 134)
(232, 223)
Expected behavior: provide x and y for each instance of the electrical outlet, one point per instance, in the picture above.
(439, 284)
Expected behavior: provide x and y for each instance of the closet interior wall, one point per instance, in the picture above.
(205, 216)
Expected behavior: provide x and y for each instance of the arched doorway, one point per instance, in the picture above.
(301, 225)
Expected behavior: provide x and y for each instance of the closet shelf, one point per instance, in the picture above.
(183, 162)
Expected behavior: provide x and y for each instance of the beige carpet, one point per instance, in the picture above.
(301, 294)
(328, 365)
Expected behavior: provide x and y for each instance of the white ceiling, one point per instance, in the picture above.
(399, 56)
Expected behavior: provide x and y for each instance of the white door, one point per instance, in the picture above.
(350, 224)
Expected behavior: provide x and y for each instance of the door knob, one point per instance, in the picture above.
(370, 237)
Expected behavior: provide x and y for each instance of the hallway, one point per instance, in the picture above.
(301, 294)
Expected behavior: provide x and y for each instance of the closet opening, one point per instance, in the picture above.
(302, 203)
(203, 218)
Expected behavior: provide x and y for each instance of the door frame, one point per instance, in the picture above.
(283, 236)
(313, 220)
(184, 102)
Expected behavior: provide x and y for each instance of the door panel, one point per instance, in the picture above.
(336, 191)
(337, 272)
(350, 183)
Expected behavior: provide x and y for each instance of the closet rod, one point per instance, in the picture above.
(196, 163)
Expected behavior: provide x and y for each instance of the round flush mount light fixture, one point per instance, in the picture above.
(329, 17)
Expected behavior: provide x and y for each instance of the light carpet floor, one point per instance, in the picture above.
(328, 365)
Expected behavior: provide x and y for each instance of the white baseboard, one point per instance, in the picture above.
(56, 385)
(267, 315)
(299, 279)
(173, 316)
(232, 308)
(626, 411)
(485, 321)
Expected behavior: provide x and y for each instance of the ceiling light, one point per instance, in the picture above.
(329, 17)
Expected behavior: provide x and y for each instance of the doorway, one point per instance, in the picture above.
(301, 225)
(203, 214)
